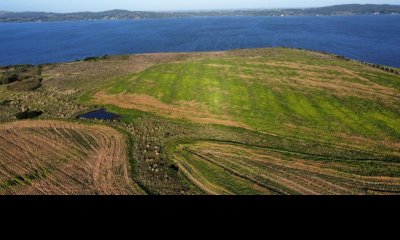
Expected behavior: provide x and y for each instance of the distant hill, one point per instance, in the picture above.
(348, 9)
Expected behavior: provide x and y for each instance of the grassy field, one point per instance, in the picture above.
(260, 121)
(294, 94)
(286, 92)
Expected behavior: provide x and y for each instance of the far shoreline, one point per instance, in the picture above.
(189, 17)
(391, 69)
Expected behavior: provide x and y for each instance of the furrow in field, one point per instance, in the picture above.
(277, 172)
(51, 157)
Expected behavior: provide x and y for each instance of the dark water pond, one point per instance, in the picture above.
(101, 114)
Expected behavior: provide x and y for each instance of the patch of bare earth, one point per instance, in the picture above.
(192, 111)
(57, 158)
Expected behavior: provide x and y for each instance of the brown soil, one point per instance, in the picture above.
(57, 158)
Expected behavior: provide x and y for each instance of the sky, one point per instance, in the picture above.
(167, 5)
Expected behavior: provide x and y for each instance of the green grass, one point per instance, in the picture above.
(226, 168)
(338, 115)
(268, 99)
(216, 175)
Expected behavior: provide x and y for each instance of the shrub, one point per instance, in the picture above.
(174, 167)
(9, 77)
(95, 58)
(28, 114)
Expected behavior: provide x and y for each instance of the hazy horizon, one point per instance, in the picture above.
(63, 6)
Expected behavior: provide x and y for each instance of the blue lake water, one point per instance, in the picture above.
(373, 39)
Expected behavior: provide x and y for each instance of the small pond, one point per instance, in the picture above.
(100, 114)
